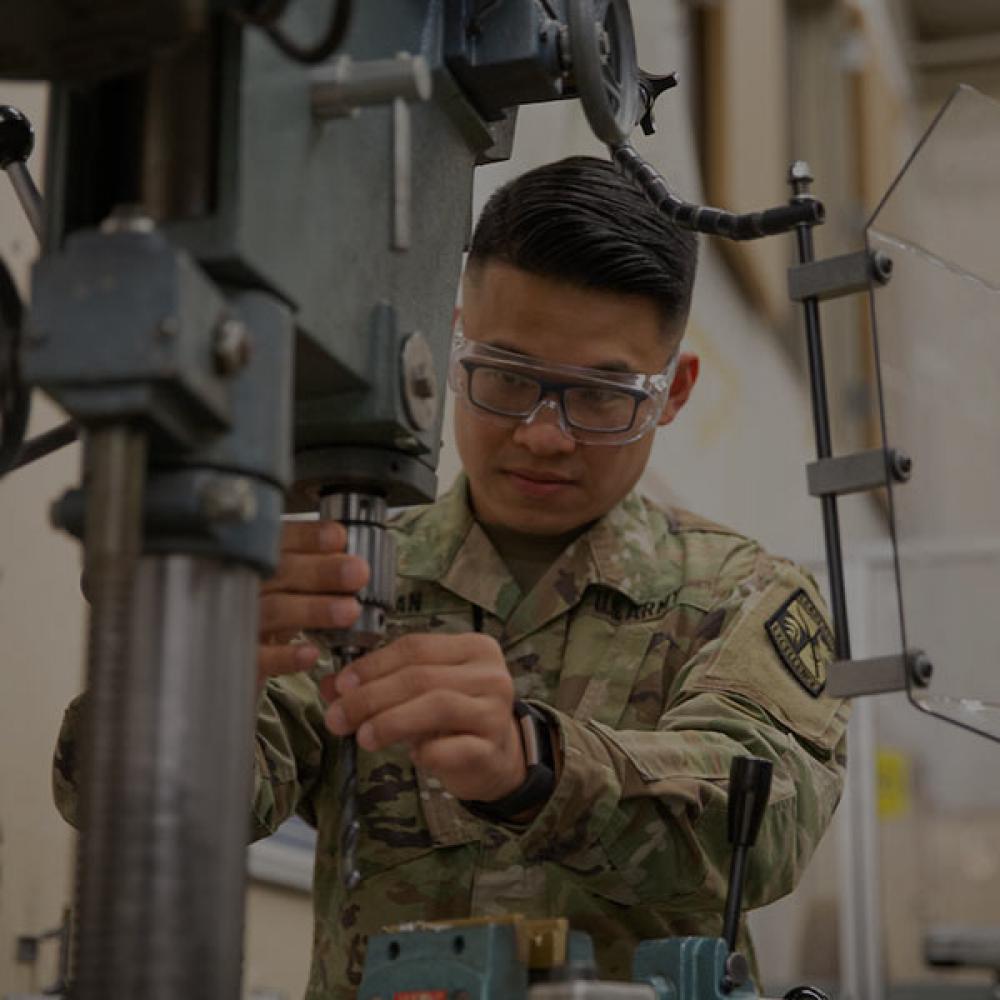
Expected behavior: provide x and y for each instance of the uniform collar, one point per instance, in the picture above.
(634, 550)
(624, 551)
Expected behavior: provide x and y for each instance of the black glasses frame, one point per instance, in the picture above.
(547, 387)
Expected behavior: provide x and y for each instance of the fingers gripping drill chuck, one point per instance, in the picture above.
(363, 515)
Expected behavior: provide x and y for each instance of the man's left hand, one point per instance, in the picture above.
(449, 698)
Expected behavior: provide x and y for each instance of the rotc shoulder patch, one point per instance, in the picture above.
(803, 641)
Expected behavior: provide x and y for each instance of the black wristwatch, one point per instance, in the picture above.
(536, 738)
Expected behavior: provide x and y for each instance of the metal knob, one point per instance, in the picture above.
(17, 140)
(749, 788)
(17, 137)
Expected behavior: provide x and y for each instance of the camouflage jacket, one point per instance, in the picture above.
(661, 645)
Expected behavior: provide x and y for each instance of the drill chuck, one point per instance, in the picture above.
(363, 515)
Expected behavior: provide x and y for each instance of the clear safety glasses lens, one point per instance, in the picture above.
(589, 408)
(594, 407)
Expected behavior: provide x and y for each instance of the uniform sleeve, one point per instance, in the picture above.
(289, 755)
(289, 749)
(65, 766)
(650, 806)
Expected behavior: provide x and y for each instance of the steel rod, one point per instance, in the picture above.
(821, 426)
(731, 918)
(45, 444)
(29, 196)
(115, 462)
(170, 875)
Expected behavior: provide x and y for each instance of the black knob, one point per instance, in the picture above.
(805, 993)
(17, 137)
(749, 788)
(650, 87)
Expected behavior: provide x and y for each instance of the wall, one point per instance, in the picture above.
(41, 629)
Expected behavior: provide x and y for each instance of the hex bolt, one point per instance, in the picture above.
(422, 382)
(881, 264)
(170, 327)
(921, 669)
(800, 173)
(901, 466)
(231, 348)
(228, 499)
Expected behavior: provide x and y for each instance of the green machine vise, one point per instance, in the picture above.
(518, 959)
(692, 968)
(471, 959)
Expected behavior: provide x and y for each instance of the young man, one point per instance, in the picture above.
(638, 649)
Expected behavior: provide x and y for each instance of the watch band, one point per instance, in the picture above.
(540, 780)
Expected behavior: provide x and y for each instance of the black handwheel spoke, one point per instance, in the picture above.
(614, 92)
(604, 66)
(14, 396)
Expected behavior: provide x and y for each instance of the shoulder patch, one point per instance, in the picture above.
(803, 640)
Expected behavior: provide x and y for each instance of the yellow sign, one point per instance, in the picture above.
(894, 784)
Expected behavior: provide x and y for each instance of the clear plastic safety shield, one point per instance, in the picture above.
(937, 342)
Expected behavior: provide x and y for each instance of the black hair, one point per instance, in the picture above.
(579, 220)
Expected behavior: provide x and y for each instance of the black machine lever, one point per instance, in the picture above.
(17, 140)
(749, 788)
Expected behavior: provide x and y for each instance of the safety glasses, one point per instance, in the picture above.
(591, 405)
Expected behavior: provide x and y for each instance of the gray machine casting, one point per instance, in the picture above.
(228, 305)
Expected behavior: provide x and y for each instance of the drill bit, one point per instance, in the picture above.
(363, 515)
(347, 793)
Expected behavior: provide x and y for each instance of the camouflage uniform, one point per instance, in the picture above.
(661, 645)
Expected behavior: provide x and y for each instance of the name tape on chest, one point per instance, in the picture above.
(803, 640)
(615, 607)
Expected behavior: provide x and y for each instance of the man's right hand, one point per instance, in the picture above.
(314, 588)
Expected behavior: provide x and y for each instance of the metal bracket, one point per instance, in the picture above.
(971, 947)
(345, 86)
(862, 470)
(878, 675)
(838, 276)
(342, 88)
(27, 952)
